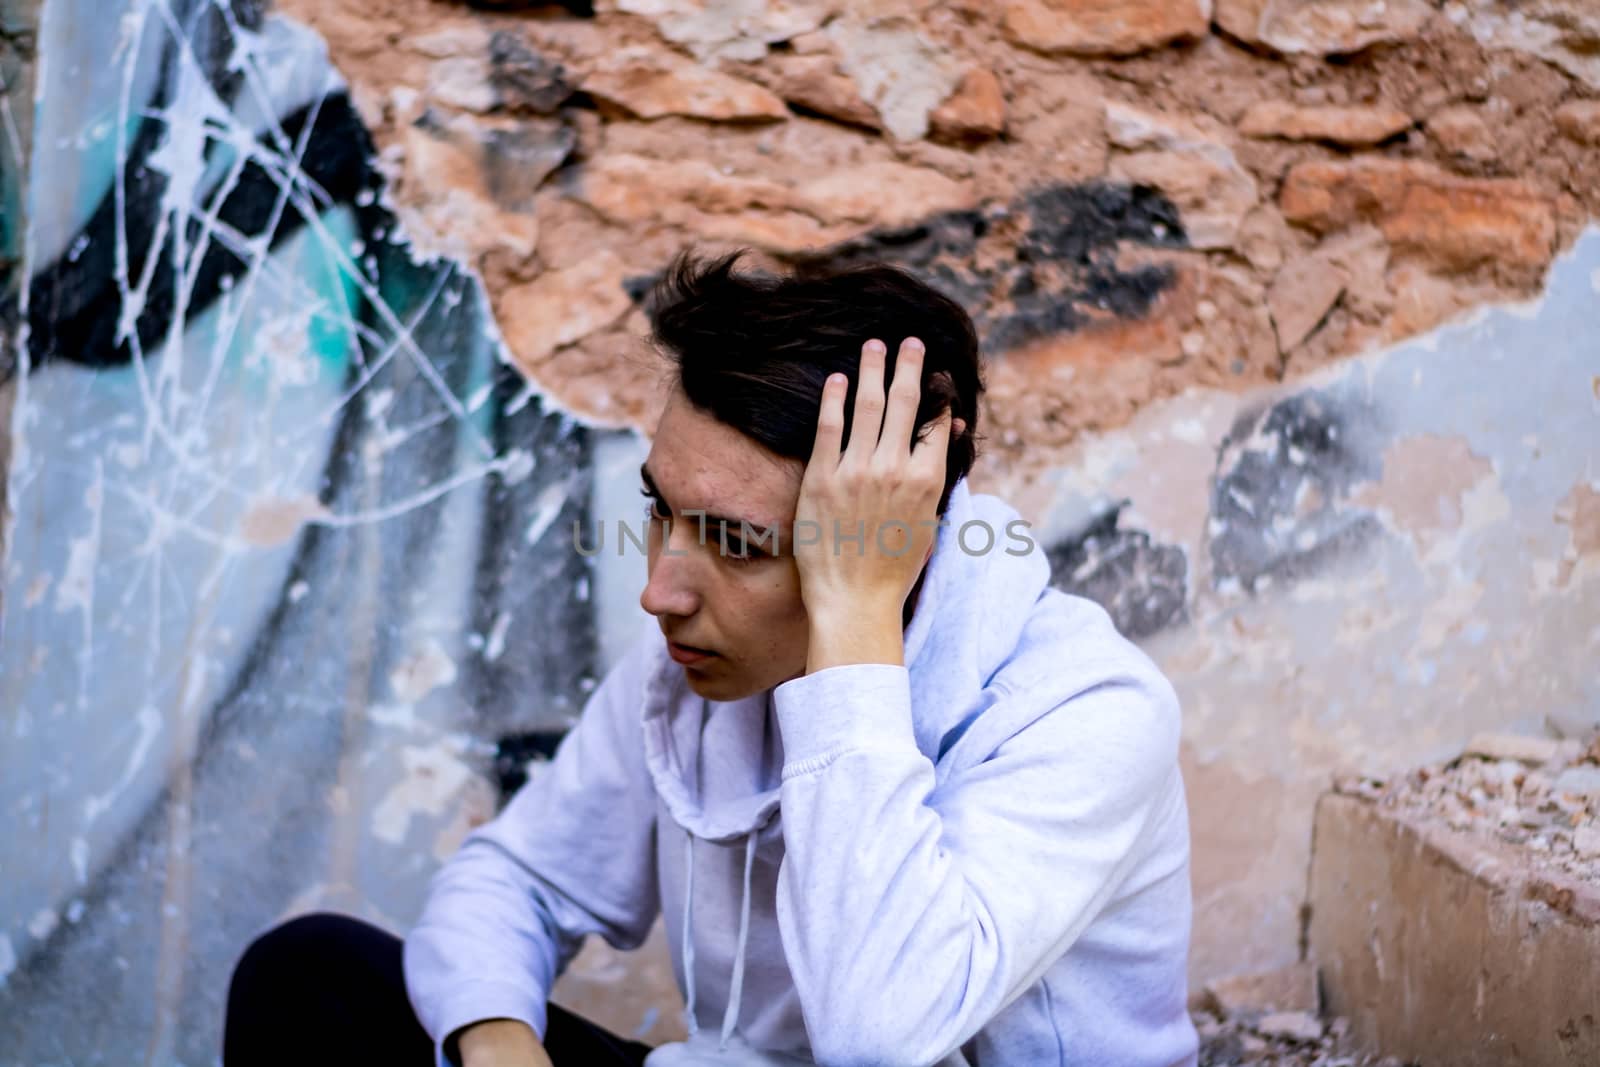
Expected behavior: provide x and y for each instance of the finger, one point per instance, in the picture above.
(830, 422)
(867, 418)
(900, 413)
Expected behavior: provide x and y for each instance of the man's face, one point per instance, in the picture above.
(748, 612)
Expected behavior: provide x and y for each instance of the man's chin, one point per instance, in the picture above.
(717, 686)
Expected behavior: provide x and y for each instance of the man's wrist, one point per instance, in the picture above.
(491, 1040)
(855, 632)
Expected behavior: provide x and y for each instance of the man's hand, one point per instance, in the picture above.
(502, 1043)
(869, 514)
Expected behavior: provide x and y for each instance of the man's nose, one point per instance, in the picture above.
(670, 589)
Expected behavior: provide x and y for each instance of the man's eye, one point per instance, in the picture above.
(654, 506)
(740, 551)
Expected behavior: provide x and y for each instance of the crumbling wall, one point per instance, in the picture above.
(1133, 198)
(1456, 909)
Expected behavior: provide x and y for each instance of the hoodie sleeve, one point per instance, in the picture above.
(573, 853)
(910, 914)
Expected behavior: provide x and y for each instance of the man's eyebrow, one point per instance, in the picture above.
(710, 519)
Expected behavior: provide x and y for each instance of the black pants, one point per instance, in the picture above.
(329, 989)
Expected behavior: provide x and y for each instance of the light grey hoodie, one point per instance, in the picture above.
(979, 858)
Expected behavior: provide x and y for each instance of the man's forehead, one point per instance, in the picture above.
(748, 488)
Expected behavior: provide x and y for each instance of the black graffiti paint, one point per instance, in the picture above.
(1142, 583)
(1278, 497)
(1046, 264)
(513, 754)
(73, 301)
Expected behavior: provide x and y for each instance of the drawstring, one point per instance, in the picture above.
(731, 1015)
(688, 943)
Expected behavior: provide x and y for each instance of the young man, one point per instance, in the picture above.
(900, 801)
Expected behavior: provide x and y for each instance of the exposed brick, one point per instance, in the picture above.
(651, 83)
(1322, 27)
(1454, 223)
(1580, 120)
(976, 110)
(1339, 125)
(1103, 27)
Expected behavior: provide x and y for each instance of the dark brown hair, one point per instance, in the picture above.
(753, 349)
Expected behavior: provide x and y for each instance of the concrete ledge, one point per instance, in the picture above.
(1446, 947)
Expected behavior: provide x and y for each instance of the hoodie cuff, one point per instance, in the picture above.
(478, 1002)
(839, 709)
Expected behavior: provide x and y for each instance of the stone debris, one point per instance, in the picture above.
(1273, 1018)
(1281, 1039)
(1541, 795)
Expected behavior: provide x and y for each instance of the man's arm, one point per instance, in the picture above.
(911, 915)
(573, 853)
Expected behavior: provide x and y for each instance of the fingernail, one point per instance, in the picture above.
(912, 342)
(876, 347)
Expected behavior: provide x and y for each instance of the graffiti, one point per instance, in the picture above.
(1055, 267)
(1142, 584)
(1283, 475)
(283, 550)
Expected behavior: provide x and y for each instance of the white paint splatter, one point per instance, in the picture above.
(149, 721)
(298, 591)
(43, 923)
(79, 854)
(516, 465)
(75, 912)
(545, 509)
(395, 716)
(496, 642)
(74, 591)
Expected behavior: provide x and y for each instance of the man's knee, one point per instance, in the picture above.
(298, 946)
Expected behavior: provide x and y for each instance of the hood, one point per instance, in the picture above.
(974, 602)
(717, 766)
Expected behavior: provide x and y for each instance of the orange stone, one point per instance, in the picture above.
(1103, 27)
(1454, 223)
(1339, 125)
(976, 110)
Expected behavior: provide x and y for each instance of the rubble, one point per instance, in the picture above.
(1281, 1039)
(1540, 794)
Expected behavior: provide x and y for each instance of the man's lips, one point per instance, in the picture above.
(687, 653)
